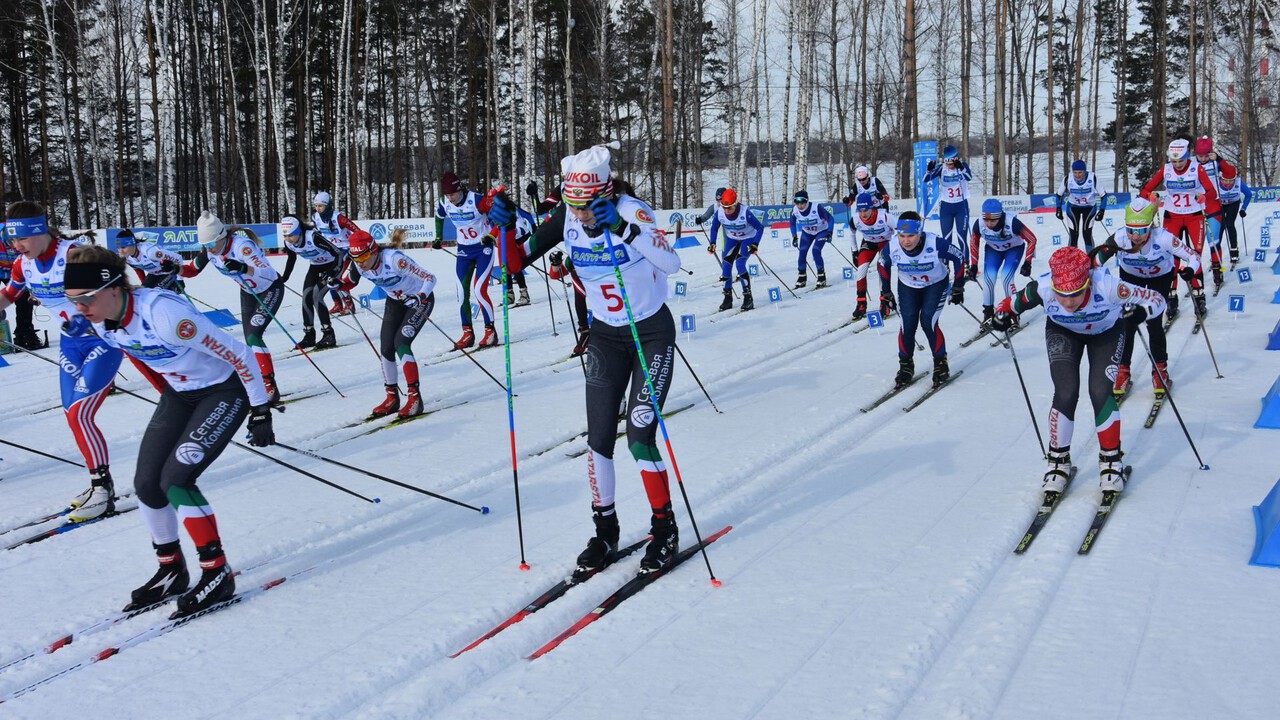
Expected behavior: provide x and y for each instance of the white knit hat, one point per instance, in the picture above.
(588, 176)
(322, 198)
(209, 229)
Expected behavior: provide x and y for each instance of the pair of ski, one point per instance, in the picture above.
(174, 622)
(628, 589)
(65, 526)
(899, 388)
(1051, 502)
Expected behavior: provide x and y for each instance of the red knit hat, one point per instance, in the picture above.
(1069, 269)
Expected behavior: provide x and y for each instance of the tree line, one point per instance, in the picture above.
(144, 112)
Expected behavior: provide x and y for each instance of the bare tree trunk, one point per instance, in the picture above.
(910, 123)
(999, 184)
(786, 98)
(966, 61)
(1053, 166)
(668, 104)
(73, 164)
(1075, 106)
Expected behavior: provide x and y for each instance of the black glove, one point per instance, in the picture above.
(1136, 314)
(971, 273)
(1058, 212)
(1098, 218)
(437, 244)
(1026, 269)
(711, 248)
(260, 432)
(795, 242)
(328, 280)
(1002, 321)
(932, 164)
(169, 267)
(957, 294)
(486, 241)
(235, 266)
(752, 249)
(532, 191)
(698, 219)
(1187, 274)
(1244, 214)
(557, 258)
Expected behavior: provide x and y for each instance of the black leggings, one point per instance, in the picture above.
(611, 365)
(1066, 351)
(187, 432)
(1081, 219)
(400, 325)
(313, 294)
(254, 318)
(1162, 284)
(1229, 213)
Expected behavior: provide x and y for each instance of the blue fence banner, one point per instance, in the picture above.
(1236, 304)
(688, 324)
(681, 288)
(184, 238)
(875, 320)
(775, 295)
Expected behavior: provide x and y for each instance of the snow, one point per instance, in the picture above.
(869, 573)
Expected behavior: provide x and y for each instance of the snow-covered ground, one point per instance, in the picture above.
(869, 573)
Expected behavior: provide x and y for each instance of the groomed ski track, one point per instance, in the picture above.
(870, 573)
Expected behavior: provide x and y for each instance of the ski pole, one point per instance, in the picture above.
(483, 510)
(1168, 393)
(980, 323)
(41, 453)
(344, 322)
(653, 399)
(469, 356)
(1008, 342)
(771, 272)
(551, 307)
(718, 260)
(697, 380)
(285, 330)
(298, 470)
(508, 237)
(1204, 330)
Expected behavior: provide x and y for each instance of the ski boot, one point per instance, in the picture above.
(98, 500)
(1171, 311)
(1123, 382)
(273, 391)
(1055, 479)
(887, 304)
(727, 303)
(988, 313)
(348, 305)
(467, 340)
(170, 580)
(1235, 257)
(490, 338)
(601, 549)
(747, 302)
(327, 340)
(941, 371)
(665, 544)
(308, 338)
(524, 298)
(1218, 280)
(1200, 304)
(1160, 378)
(412, 403)
(584, 336)
(511, 297)
(390, 404)
(28, 339)
(801, 280)
(338, 306)
(906, 371)
(860, 310)
(1110, 473)
(822, 280)
(216, 584)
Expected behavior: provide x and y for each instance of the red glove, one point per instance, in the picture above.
(1005, 306)
(512, 251)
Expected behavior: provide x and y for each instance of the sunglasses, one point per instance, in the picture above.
(1142, 232)
(86, 299)
(1078, 291)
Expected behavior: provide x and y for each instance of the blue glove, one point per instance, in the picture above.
(78, 326)
(503, 213)
(606, 213)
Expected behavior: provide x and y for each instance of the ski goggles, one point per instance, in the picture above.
(1139, 232)
(910, 227)
(1071, 293)
(80, 275)
(368, 253)
(19, 228)
(801, 200)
